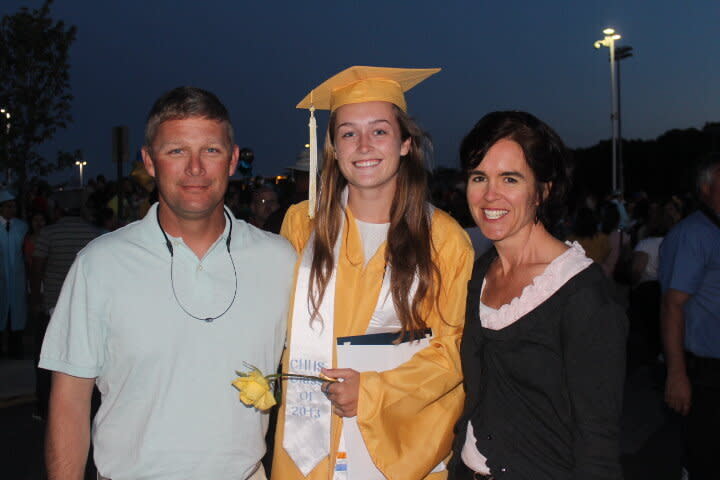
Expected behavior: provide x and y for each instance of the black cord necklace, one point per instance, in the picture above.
(168, 244)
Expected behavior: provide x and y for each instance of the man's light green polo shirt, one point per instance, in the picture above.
(168, 410)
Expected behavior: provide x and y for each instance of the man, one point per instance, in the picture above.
(13, 307)
(160, 313)
(55, 250)
(300, 173)
(689, 274)
(264, 203)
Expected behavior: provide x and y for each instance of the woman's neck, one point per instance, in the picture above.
(371, 206)
(529, 246)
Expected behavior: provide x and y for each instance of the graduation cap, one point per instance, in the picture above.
(357, 85)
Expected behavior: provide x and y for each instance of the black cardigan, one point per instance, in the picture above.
(544, 394)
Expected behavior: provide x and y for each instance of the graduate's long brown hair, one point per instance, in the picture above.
(409, 246)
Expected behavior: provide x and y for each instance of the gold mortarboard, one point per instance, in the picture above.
(357, 85)
(365, 84)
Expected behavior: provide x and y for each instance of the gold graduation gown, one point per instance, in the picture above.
(406, 415)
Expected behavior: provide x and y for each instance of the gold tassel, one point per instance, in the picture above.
(312, 200)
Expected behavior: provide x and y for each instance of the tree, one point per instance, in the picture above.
(34, 88)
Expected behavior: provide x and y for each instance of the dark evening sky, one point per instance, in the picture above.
(262, 57)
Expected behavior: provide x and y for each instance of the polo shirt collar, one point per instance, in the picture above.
(151, 232)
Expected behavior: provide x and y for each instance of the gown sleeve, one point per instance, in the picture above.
(296, 225)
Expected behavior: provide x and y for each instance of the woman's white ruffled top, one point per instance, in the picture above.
(556, 274)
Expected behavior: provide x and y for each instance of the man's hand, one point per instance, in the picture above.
(678, 393)
(343, 394)
(672, 325)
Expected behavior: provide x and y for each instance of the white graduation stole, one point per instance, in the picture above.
(307, 409)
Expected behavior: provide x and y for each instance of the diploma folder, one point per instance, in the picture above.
(387, 338)
(375, 352)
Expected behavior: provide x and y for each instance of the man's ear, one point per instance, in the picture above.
(234, 160)
(147, 161)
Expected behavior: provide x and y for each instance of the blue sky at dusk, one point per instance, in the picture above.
(262, 57)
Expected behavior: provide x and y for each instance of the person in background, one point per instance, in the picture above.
(38, 220)
(300, 173)
(264, 202)
(13, 287)
(625, 221)
(689, 274)
(56, 247)
(543, 352)
(585, 232)
(375, 258)
(480, 242)
(618, 240)
(644, 306)
(146, 194)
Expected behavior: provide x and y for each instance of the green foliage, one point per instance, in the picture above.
(34, 88)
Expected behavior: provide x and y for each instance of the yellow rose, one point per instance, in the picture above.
(255, 390)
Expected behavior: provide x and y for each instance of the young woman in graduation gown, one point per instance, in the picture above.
(384, 260)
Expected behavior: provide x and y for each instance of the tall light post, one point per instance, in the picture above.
(609, 41)
(81, 165)
(621, 53)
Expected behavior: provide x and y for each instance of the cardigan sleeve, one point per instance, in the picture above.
(594, 345)
(406, 415)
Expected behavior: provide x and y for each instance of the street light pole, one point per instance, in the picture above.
(81, 164)
(609, 41)
(620, 54)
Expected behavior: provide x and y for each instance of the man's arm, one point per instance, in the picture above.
(678, 394)
(68, 431)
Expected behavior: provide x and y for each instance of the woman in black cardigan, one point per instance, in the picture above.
(543, 351)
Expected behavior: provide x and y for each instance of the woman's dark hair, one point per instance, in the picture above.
(545, 154)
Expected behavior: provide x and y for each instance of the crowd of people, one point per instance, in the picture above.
(514, 301)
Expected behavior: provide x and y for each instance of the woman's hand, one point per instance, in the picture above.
(342, 394)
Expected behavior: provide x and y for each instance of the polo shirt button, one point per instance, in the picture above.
(200, 267)
(489, 437)
(503, 470)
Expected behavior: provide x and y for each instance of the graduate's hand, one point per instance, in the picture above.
(342, 394)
